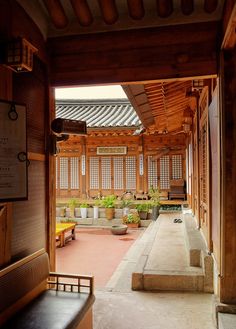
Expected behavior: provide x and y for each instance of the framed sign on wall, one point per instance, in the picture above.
(13, 152)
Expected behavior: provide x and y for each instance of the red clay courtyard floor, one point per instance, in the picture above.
(95, 251)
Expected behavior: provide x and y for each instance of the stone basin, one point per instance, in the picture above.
(119, 229)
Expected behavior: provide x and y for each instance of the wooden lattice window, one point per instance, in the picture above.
(74, 172)
(94, 172)
(106, 173)
(177, 172)
(118, 173)
(165, 172)
(64, 173)
(130, 172)
(152, 172)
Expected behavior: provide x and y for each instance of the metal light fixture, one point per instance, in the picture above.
(19, 55)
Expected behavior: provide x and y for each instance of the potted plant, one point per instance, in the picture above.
(154, 194)
(132, 219)
(95, 208)
(72, 203)
(143, 209)
(83, 210)
(125, 205)
(62, 211)
(108, 202)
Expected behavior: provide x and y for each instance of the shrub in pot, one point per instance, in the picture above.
(154, 194)
(96, 207)
(125, 205)
(72, 204)
(108, 202)
(83, 210)
(143, 209)
(132, 219)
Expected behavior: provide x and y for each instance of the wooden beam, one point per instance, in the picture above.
(134, 55)
(57, 13)
(109, 11)
(82, 11)
(136, 9)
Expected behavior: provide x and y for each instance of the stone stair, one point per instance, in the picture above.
(165, 265)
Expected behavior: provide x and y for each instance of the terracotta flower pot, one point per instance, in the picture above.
(133, 225)
(110, 212)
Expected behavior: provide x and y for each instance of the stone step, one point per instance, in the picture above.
(173, 282)
(226, 321)
(194, 240)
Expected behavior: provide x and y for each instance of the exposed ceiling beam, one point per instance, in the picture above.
(57, 13)
(136, 9)
(82, 11)
(109, 11)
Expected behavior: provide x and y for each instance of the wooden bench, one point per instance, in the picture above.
(32, 297)
(62, 229)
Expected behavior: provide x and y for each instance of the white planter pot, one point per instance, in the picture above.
(95, 212)
(83, 212)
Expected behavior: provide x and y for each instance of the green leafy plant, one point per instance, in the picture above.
(143, 207)
(108, 201)
(72, 203)
(154, 194)
(132, 217)
(125, 203)
(97, 201)
(68, 220)
(84, 205)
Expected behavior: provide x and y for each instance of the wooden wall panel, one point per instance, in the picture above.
(29, 226)
(29, 88)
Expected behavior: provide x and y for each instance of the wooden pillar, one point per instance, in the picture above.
(5, 208)
(51, 191)
(228, 178)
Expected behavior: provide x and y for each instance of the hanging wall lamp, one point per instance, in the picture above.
(19, 55)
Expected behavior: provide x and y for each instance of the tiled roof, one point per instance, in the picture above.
(99, 113)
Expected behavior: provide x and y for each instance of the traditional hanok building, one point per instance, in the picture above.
(166, 54)
(118, 154)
